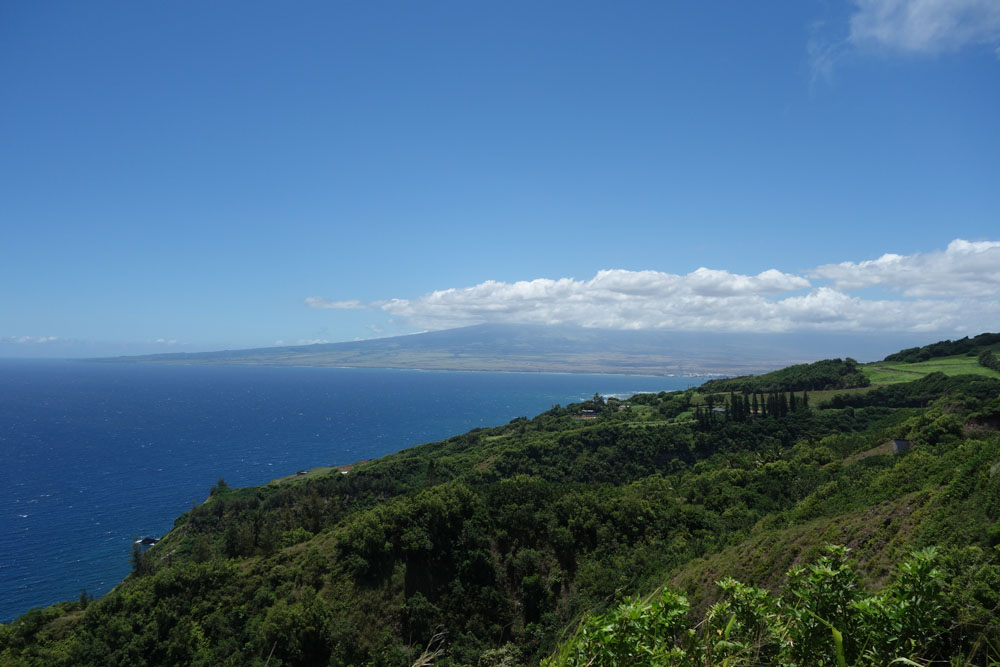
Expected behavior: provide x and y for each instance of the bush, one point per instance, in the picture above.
(824, 618)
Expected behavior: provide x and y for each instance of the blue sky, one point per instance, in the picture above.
(188, 175)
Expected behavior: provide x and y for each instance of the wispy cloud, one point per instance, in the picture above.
(30, 340)
(914, 27)
(301, 341)
(925, 26)
(320, 302)
(954, 289)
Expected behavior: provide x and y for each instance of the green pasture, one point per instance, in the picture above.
(889, 372)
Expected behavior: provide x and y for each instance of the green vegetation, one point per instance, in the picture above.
(824, 618)
(920, 393)
(989, 360)
(596, 540)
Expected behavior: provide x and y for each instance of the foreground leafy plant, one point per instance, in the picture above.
(823, 619)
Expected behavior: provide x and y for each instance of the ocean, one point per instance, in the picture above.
(94, 455)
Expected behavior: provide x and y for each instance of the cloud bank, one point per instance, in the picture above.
(957, 289)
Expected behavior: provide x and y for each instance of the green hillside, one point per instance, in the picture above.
(591, 534)
(960, 357)
(826, 374)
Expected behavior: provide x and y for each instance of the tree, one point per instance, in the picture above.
(202, 549)
(140, 566)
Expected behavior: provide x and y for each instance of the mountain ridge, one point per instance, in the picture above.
(559, 349)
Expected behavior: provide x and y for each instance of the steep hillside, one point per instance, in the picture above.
(490, 547)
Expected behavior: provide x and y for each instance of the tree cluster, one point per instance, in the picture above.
(826, 374)
(987, 359)
(945, 348)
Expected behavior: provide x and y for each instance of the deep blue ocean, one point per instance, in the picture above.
(94, 455)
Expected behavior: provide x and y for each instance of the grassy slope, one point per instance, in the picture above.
(889, 372)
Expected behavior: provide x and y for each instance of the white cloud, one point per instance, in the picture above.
(964, 269)
(956, 289)
(925, 26)
(320, 302)
(615, 299)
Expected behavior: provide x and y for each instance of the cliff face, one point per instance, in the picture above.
(489, 545)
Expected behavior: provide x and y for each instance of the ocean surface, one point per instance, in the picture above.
(94, 455)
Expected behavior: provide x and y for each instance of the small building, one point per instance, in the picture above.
(900, 446)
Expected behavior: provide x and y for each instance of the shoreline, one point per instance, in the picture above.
(537, 371)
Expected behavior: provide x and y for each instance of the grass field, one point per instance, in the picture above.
(889, 372)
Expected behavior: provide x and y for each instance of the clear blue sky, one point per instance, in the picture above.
(234, 174)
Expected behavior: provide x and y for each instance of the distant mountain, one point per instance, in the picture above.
(558, 349)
